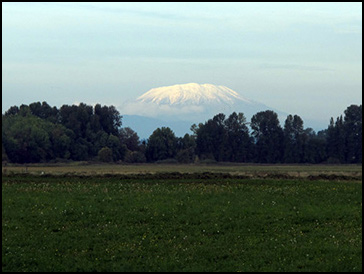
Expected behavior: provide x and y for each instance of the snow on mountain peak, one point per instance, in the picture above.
(184, 105)
(191, 93)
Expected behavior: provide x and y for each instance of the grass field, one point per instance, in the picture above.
(249, 170)
(91, 223)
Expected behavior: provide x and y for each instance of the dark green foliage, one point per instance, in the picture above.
(239, 143)
(80, 149)
(118, 149)
(109, 118)
(45, 111)
(3, 154)
(27, 138)
(268, 137)
(211, 138)
(186, 149)
(185, 156)
(134, 157)
(12, 111)
(162, 145)
(354, 131)
(294, 140)
(41, 133)
(223, 139)
(315, 149)
(344, 137)
(61, 139)
(105, 155)
(130, 138)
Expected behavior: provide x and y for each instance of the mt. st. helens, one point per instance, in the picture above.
(191, 94)
(191, 102)
(180, 106)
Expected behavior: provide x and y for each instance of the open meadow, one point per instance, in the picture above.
(181, 218)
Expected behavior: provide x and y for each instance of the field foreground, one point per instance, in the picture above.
(87, 223)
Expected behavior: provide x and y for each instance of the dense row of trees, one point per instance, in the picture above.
(40, 133)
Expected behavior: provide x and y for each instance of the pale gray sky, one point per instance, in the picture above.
(301, 58)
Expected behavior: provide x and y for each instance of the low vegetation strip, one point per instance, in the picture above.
(180, 171)
(203, 175)
(172, 224)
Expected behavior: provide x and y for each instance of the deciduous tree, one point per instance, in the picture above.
(268, 137)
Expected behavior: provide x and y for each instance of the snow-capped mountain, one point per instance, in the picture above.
(186, 104)
(193, 102)
(191, 94)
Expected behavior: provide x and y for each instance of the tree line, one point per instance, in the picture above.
(41, 133)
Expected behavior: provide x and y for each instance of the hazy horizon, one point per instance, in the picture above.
(300, 58)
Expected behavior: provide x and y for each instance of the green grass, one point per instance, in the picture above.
(109, 224)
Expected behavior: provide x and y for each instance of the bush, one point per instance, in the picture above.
(167, 161)
(105, 155)
(333, 161)
(135, 157)
(185, 156)
(208, 161)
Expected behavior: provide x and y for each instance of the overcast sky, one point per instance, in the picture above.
(301, 58)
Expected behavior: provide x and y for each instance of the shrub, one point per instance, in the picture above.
(135, 157)
(105, 155)
(185, 156)
(167, 161)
